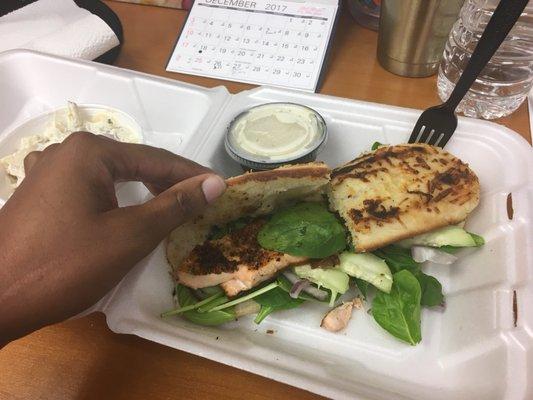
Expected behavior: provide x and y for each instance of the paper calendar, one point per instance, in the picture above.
(265, 42)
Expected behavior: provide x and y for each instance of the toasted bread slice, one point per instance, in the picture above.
(249, 195)
(396, 192)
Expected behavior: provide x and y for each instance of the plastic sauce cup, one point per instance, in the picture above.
(270, 135)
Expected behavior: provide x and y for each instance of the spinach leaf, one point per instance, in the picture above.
(212, 304)
(362, 286)
(450, 249)
(264, 312)
(273, 300)
(278, 298)
(185, 298)
(193, 306)
(208, 291)
(480, 241)
(399, 311)
(431, 290)
(376, 145)
(306, 229)
(398, 258)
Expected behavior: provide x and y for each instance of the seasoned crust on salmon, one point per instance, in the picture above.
(396, 192)
(248, 195)
(236, 261)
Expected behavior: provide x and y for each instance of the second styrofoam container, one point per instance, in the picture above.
(10, 143)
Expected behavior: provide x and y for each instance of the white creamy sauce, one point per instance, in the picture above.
(57, 130)
(277, 131)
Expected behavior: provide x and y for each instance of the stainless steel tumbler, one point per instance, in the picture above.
(412, 34)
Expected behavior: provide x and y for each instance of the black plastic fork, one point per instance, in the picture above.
(437, 124)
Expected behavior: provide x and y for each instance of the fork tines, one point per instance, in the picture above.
(435, 126)
(425, 134)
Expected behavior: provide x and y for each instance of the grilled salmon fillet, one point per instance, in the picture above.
(396, 192)
(236, 262)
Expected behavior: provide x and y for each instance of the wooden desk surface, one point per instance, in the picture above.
(82, 359)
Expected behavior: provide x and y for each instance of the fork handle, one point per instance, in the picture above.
(499, 25)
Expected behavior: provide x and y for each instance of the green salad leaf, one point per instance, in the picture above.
(306, 229)
(264, 312)
(274, 300)
(431, 290)
(450, 249)
(212, 304)
(480, 241)
(278, 298)
(362, 286)
(376, 145)
(398, 312)
(185, 298)
(399, 259)
(205, 292)
(193, 306)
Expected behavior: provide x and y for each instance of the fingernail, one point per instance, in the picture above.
(213, 187)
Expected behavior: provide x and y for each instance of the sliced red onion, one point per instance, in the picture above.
(422, 253)
(317, 293)
(298, 287)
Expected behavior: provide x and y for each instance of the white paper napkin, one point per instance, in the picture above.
(58, 27)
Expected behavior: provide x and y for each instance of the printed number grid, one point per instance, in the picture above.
(252, 47)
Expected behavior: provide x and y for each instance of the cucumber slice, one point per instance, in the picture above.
(368, 267)
(448, 236)
(333, 279)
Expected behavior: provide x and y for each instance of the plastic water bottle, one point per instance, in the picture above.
(505, 82)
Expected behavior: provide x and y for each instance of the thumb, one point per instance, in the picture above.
(183, 201)
(143, 227)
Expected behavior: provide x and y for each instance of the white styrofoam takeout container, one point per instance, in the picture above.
(479, 347)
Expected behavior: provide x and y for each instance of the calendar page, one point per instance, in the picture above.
(265, 42)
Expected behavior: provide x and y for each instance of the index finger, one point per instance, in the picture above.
(156, 167)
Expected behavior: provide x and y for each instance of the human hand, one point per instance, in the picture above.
(64, 242)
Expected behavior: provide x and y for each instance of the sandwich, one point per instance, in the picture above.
(306, 233)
